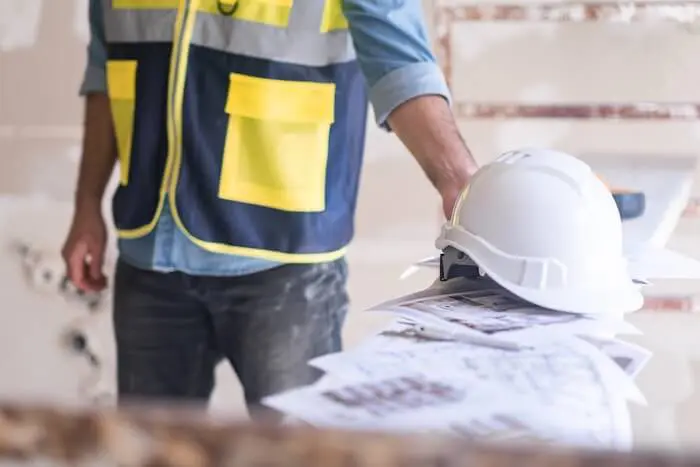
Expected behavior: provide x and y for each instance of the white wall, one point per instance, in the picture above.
(598, 63)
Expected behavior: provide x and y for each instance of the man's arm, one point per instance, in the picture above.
(84, 249)
(408, 90)
(427, 127)
(99, 146)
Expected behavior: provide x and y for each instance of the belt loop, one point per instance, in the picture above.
(223, 10)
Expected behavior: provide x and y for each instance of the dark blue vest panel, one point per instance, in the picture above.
(135, 204)
(210, 218)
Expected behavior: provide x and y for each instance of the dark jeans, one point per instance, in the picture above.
(172, 329)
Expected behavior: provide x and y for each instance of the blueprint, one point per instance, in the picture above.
(467, 358)
(558, 392)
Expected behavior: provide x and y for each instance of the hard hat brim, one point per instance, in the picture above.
(622, 296)
(580, 301)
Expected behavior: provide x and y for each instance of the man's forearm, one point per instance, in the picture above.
(426, 126)
(99, 152)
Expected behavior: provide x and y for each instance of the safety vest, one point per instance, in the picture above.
(246, 118)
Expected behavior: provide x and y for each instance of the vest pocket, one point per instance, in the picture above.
(333, 17)
(272, 12)
(121, 87)
(276, 147)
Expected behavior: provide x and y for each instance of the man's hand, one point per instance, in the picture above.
(84, 249)
(426, 126)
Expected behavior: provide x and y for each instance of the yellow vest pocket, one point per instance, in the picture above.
(333, 17)
(145, 4)
(121, 87)
(272, 12)
(276, 147)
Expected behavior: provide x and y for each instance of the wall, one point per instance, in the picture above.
(42, 45)
(505, 69)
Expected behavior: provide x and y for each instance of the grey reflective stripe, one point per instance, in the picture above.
(301, 42)
(306, 15)
(139, 25)
(293, 44)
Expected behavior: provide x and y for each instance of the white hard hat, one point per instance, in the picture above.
(545, 227)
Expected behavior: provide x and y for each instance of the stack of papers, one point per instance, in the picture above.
(467, 358)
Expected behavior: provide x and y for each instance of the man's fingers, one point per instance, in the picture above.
(96, 263)
(75, 262)
(94, 284)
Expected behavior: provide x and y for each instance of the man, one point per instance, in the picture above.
(239, 130)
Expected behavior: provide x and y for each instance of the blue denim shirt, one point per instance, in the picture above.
(394, 53)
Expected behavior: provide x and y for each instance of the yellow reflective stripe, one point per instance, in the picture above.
(211, 5)
(139, 232)
(178, 70)
(179, 25)
(144, 4)
(272, 12)
(288, 101)
(121, 88)
(333, 17)
(176, 86)
(121, 79)
(223, 249)
(276, 256)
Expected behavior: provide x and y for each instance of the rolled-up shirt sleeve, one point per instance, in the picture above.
(94, 78)
(394, 52)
